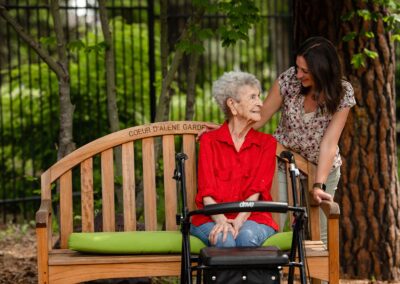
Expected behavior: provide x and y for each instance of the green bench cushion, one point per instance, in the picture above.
(282, 241)
(149, 242)
(139, 242)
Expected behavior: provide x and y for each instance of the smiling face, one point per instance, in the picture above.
(248, 107)
(303, 73)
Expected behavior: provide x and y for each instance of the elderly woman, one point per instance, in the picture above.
(236, 163)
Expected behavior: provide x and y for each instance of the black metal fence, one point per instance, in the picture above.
(29, 119)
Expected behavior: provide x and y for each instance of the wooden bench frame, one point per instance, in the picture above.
(61, 265)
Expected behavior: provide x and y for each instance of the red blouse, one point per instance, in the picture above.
(229, 176)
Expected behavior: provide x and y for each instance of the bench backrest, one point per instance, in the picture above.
(133, 152)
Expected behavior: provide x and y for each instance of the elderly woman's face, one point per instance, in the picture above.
(249, 105)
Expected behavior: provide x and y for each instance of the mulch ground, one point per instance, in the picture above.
(18, 254)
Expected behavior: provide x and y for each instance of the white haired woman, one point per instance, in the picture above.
(236, 163)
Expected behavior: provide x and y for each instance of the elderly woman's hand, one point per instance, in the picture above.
(238, 222)
(221, 227)
(319, 195)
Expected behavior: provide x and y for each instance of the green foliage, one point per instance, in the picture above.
(241, 15)
(359, 59)
(46, 41)
(390, 15)
(30, 111)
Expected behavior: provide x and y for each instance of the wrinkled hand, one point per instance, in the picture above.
(208, 127)
(319, 195)
(223, 227)
(236, 223)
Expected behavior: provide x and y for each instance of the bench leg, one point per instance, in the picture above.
(42, 255)
(333, 247)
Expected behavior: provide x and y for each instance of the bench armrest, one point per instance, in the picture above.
(43, 214)
(330, 208)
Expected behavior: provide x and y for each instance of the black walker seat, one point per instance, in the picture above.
(243, 256)
(241, 264)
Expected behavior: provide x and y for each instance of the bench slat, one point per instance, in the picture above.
(128, 181)
(189, 147)
(78, 258)
(169, 183)
(107, 189)
(149, 184)
(66, 207)
(314, 210)
(87, 204)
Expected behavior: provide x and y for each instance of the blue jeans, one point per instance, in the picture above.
(251, 234)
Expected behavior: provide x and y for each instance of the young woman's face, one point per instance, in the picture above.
(249, 105)
(302, 72)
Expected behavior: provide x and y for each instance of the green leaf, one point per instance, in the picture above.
(358, 60)
(396, 37)
(205, 34)
(49, 40)
(201, 3)
(98, 48)
(368, 34)
(75, 45)
(189, 47)
(375, 16)
(31, 178)
(365, 14)
(350, 36)
(348, 16)
(370, 53)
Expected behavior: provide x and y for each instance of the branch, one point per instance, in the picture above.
(167, 80)
(112, 107)
(53, 65)
(58, 28)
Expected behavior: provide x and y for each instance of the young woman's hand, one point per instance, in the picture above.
(319, 195)
(208, 127)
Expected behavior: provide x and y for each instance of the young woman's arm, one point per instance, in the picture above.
(271, 105)
(327, 152)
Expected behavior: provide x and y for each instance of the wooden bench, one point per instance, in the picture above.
(77, 175)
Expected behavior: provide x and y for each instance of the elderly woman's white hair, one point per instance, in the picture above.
(227, 86)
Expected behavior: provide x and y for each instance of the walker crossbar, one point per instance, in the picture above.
(246, 206)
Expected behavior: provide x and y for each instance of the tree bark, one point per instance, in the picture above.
(112, 107)
(369, 193)
(66, 144)
(191, 85)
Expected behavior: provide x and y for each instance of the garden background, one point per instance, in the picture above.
(146, 37)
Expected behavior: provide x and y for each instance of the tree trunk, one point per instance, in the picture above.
(369, 192)
(191, 85)
(112, 108)
(66, 144)
(163, 102)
